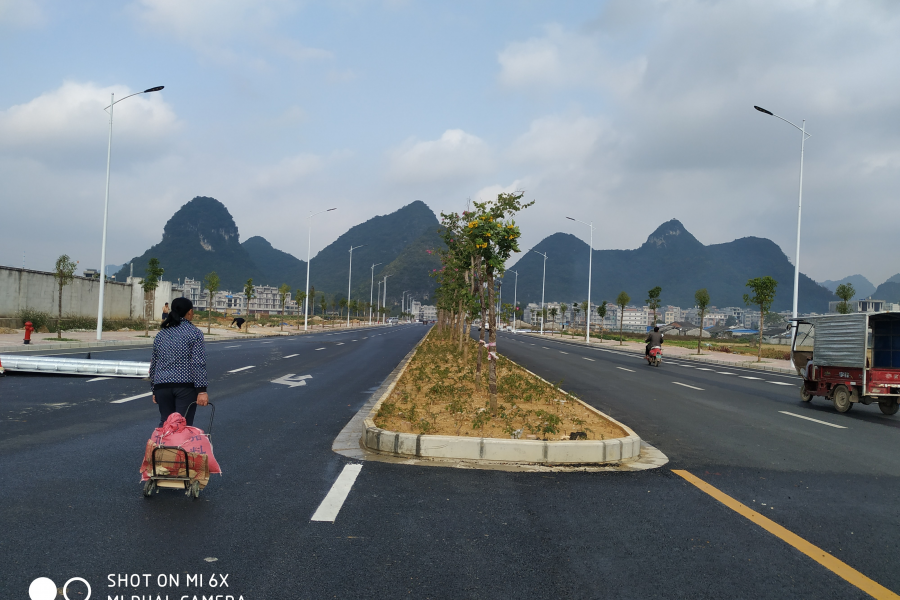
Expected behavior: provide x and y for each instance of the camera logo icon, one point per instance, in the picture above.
(43, 588)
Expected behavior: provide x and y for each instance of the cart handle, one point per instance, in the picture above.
(211, 416)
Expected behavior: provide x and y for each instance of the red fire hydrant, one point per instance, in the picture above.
(29, 329)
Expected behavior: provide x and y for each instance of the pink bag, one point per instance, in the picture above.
(176, 432)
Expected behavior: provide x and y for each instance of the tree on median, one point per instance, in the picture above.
(64, 272)
(622, 301)
(149, 285)
(601, 312)
(301, 298)
(701, 299)
(763, 289)
(283, 292)
(653, 301)
(212, 286)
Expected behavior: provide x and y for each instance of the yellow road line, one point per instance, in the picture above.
(831, 563)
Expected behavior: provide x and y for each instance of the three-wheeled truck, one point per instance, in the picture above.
(850, 358)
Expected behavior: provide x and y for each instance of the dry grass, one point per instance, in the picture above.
(437, 395)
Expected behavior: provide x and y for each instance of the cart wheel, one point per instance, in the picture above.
(889, 409)
(841, 399)
(805, 396)
(195, 490)
(149, 486)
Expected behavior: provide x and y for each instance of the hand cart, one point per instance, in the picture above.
(172, 467)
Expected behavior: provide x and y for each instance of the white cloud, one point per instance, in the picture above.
(456, 155)
(560, 140)
(70, 120)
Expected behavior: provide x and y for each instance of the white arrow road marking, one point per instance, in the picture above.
(784, 412)
(334, 500)
(292, 380)
(241, 369)
(688, 386)
(130, 398)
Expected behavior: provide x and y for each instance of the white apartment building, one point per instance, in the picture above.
(427, 312)
(267, 299)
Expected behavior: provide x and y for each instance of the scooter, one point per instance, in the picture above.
(655, 356)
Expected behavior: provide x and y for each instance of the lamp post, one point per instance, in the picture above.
(371, 289)
(384, 301)
(403, 303)
(587, 329)
(543, 286)
(803, 136)
(112, 103)
(378, 305)
(349, 278)
(515, 297)
(308, 247)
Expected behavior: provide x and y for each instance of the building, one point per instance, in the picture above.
(427, 312)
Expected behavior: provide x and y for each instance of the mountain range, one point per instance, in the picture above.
(202, 237)
(671, 258)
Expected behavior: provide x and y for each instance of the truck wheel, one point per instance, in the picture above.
(805, 396)
(841, 399)
(889, 409)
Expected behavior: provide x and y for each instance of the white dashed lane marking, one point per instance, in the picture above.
(339, 344)
(330, 507)
(291, 355)
(561, 352)
(749, 377)
(98, 379)
(624, 369)
(130, 398)
(320, 349)
(238, 346)
(724, 373)
(784, 412)
(780, 383)
(693, 387)
(241, 369)
(586, 358)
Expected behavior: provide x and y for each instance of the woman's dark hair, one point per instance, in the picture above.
(180, 307)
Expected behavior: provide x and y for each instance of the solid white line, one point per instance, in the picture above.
(780, 383)
(624, 369)
(129, 399)
(241, 369)
(97, 379)
(688, 386)
(586, 358)
(291, 356)
(320, 349)
(784, 412)
(748, 377)
(334, 500)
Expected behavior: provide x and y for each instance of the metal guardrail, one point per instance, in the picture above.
(75, 366)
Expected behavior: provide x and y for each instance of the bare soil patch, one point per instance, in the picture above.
(440, 394)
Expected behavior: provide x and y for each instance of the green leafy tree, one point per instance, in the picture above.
(149, 285)
(575, 310)
(763, 289)
(249, 294)
(601, 312)
(283, 292)
(622, 301)
(323, 303)
(845, 292)
(553, 313)
(563, 309)
(343, 304)
(212, 283)
(653, 301)
(584, 309)
(64, 272)
(701, 299)
(312, 299)
(300, 295)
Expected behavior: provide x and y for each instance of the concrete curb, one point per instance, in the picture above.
(701, 358)
(561, 452)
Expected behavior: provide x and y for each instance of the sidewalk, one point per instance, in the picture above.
(720, 358)
(12, 342)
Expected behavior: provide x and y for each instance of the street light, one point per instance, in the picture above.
(112, 103)
(384, 302)
(349, 276)
(515, 297)
(403, 303)
(543, 285)
(587, 329)
(308, 247)
(371, 289)
(803, 136)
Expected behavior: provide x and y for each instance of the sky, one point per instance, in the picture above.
(622, 113)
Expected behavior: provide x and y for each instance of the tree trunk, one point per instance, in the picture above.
(492, 344)
(762, 320)
(699, 339)
(59, 321)
(621, 316)
(483, 323)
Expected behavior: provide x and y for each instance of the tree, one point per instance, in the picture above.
(553, 313)
(575, 309)
(64, 272)
(249, 294)
(845, 292)
(149, 285)
(212, 286)
(343, 304)
(324, 304)
(584, 309)
(731, 321)
(653, 301)
(283, 292)
(701, 299)
(601, 312)
(301, 298)
(311, 301)
(622, 301)
(563, 309)
(763, 289)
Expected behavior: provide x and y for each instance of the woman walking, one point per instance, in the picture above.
(178, 365)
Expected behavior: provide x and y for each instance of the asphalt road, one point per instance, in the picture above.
(70, 502)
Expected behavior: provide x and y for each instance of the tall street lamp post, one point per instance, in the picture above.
(515, 297)
(543, 285)
(587, 329)
(112, 103)
(803, 137)
(349, 278)
(371, 289)
(403, 303)
(308, 248)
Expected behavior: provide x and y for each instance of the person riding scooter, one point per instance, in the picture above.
(654, 339)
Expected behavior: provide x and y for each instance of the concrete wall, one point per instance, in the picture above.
(22, 289)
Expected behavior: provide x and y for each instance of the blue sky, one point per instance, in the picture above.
(626, 113)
